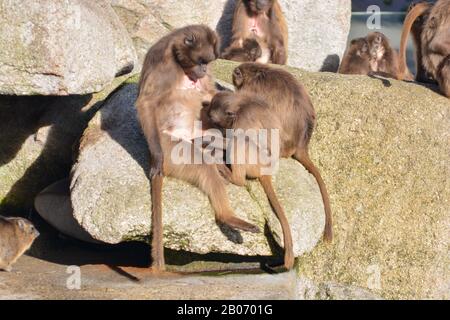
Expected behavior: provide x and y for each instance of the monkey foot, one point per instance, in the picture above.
(240, 224)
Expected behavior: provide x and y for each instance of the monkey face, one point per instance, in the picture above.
(252, 48)
(361, 47)
(377, 44)
(222, 111)
(196, 48)
(259, 6)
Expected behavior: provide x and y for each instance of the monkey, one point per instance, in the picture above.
(250, 51)
(264, 21)
(357, 58)
(290, 103)
(175, 81)
(414, 23)
(384, 59)
(16, 236)
(245, 111)
(434, 39)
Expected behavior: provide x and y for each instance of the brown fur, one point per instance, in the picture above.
(271, 29)
(250, 51)
(290, 103)
(434, 39)
(384, 59)
(414, 23)
(357, 58)
(246, 111)
(175, 80)
(443, 76)
(16, 236)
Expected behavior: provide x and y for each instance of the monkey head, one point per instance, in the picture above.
(25, 229)
(252, 49)
(194, 49)
(378, 44)
(259, 6)
(247, 73)
(360, 47)
(222, 110)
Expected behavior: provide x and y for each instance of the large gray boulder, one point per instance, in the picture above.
(61, 47)
(111, 196)
(318, 30)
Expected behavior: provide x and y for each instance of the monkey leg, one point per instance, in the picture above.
(266, 182)
(302, 156)
(208, 179)
(158, 263)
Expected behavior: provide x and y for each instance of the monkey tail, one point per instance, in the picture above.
(303, 157)
(157, 225)
(266, 182)
(415, 12)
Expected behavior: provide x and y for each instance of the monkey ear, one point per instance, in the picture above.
(190, 40)
(21, 224)
(231, 115)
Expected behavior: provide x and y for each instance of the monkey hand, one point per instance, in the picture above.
(279, 55)
(225, 172)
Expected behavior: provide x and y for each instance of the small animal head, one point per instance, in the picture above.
(360, 47)
(259, 6)
(25, 228)
(247, 73)
(252, 49)
(222, 111)
(194, 48)
(378, 44)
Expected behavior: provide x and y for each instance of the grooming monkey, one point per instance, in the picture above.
(264, 21)
(16, 236)
(175, 81)
(356, 59)
(246, 111)
(434, 38)
(289, 103)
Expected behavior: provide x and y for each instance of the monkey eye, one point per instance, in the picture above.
(189, 40)
(230, 114)
(237, 72)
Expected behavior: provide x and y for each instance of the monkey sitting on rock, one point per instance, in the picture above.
(16, 236)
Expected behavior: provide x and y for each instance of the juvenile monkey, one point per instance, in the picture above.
(264, 21)
(383, 58)
(357, 58)
(434, 39)
(247, 112)
(16, 236)
(289, 103)
(250, 51)
(175, 81)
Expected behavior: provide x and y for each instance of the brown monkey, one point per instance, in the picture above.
(443, 76)
(264, 21)
(16, 236)
(290, 103)
(357, 58)
(250, 51)
(435, 38)
(383, 58)
(414, 23)
(175, 80)
(247, 112)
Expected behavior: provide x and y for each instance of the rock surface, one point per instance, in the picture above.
(36, 141)
(318, 30)
(61, 47)
(383, 147)
(111, 197)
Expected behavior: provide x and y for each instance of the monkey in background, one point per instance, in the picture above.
(433, 42)
(356, 59)
(175, 81)
(250, 51)
(290, 104)
(246, 111)
(16, 236)
(264, 21)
